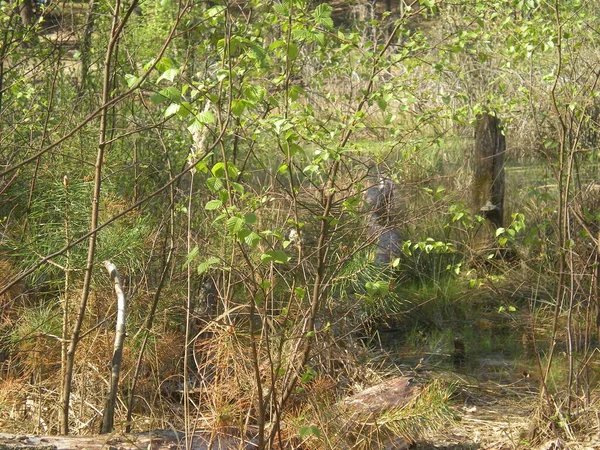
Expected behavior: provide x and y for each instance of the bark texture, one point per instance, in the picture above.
(488, 183)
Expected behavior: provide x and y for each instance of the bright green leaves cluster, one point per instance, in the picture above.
(250, 97)
(177, 100)
(428, 245)
(221, 175)
(322, 16)
(240, 226)
(508, 234)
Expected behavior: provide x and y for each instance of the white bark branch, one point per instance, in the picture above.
(111, 399)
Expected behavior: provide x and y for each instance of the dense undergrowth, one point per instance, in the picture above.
(223, 156)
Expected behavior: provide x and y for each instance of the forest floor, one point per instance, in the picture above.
(496, 410)
(487, 418)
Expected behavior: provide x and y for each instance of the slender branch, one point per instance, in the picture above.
(116, 29)
(111, 399)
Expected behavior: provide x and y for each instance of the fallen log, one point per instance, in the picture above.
(152, 440)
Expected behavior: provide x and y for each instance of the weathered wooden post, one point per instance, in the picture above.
(488, 182)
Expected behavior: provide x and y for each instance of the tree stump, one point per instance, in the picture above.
(488, 182)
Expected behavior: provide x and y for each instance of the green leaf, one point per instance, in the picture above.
(235, 224)
(238, 106)
(232, 171)
(201, 167)
(168, 74)
(252, 239)
(258, 53)
(377, 288)
(204, 266)
(171, 110)
(184, 110)
(309, 375)
(322, 15)
(166, 94)
(282, 8)
(276, 256)
(190, 257)
(250, 218)
(131, 80)
(218, 170)
(215, 11)
(308, 431)
(205, 117)
(165, 63)
(222, 74)
(255, 94)
(200, 120)
(239, 188)
(295, 91)
(214, 184)
(292, 51)
(213, 205)
(293, 148)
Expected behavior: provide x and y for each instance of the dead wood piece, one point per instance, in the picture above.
(368, 407)
(392, 393)
(154, 440)
(18, 446)
(10, 442)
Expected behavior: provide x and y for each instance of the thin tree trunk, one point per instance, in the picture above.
(25, 8)
(111, 399)
(188, 321)
(66, 306)
(86, 45)
(562, 211)
(3, 51)
(85, 291)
